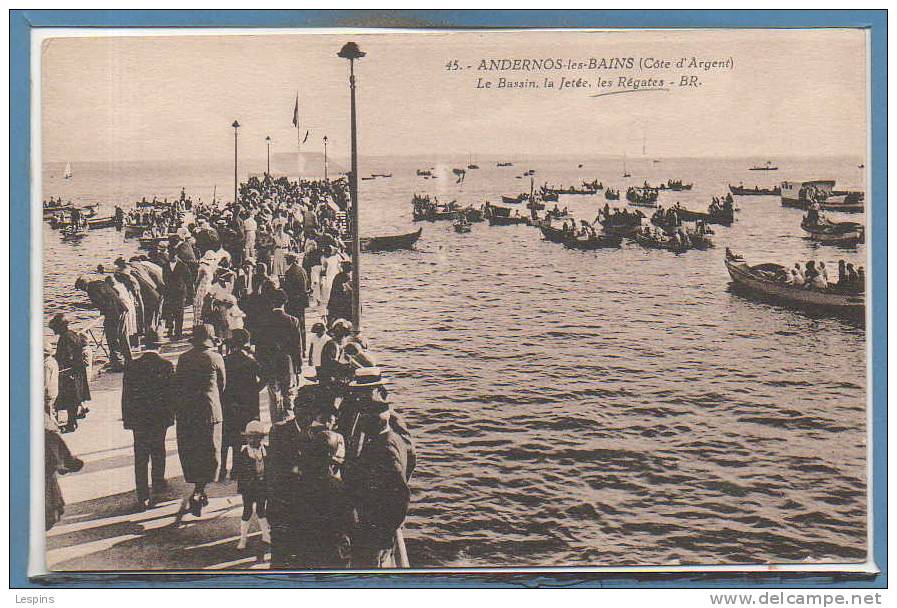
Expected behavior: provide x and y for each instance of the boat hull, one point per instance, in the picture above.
(603, 241)
(498, 220)
(738, 191)
(391, 242)
(813, 299)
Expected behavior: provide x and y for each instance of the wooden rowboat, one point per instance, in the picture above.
(555, 235)
(391, 242)
(759, 281)
(600, 241)
(755, 191)
(507, 220)
(834, 233)
(152, 241)
(93, 224)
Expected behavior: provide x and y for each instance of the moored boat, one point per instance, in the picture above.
(391, 242)
(761, 280)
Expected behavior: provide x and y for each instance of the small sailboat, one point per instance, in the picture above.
(67, 174)
(625, 172)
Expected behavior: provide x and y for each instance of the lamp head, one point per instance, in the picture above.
(268, 139)
(350, 51)
(236, 125)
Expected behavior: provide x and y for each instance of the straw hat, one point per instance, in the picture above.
(255, 428)
(368, 377)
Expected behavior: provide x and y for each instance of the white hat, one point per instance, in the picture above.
(366, 377)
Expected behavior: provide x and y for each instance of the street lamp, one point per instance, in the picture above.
(325, 158)
(268, 141)
(351, 52)
(236, 126)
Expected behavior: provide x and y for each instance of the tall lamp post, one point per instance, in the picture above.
(325, 158)
(268, 141)
(351, 52)
(236, 126)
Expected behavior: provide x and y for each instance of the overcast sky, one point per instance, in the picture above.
(792, 92)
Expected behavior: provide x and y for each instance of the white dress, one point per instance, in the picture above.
(328, 273)
(203, 283)
(131, 308)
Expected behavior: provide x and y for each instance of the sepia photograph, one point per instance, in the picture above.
(448, 300)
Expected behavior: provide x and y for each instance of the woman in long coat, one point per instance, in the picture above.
(201, 379)
(74, 388)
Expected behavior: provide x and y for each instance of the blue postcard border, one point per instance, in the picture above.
(21, 22)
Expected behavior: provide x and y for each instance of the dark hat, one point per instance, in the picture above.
(120, 262)
(318, 328)
(277, 297)
(203, 335)
(239, 337)
(59, 320)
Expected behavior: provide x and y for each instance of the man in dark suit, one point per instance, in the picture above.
(147, 410)
(178, 285)
(279, 350)
(340, 304)
(377, 477)
(295, 284)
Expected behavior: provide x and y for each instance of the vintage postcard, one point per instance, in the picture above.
(448, 300)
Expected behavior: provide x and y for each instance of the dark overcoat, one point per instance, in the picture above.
(74, 389)
(200, 380)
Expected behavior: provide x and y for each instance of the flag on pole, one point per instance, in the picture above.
(296, 112)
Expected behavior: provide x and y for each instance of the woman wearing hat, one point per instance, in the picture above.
(252, 463)
(201, 379)
(74, 388)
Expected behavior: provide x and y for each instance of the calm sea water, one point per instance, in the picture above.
(611, 407)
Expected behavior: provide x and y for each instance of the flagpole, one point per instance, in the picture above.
(298, 140)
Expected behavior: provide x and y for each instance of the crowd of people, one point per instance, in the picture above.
(328, 481)
(815, 275)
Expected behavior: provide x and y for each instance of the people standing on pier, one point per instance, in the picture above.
(51, 382)
(147, 409)
(240, 400)
(106, 299)
(74, 388)
(377, 477)
(278, 345)
(178, 285)
(201, 378)
(339, 304)
(295, 285)
(252, 464)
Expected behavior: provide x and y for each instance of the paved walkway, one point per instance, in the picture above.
(102, 529)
